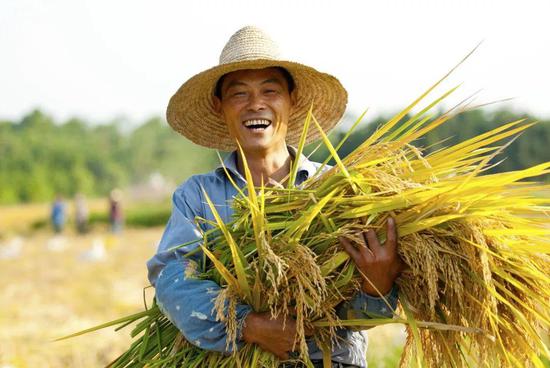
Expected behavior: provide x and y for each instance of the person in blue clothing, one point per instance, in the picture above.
(57, 214)
(259, 100)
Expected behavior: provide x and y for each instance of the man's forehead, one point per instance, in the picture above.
(254, 74)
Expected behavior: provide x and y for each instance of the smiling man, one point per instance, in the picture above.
(259, 100)
(255, 104)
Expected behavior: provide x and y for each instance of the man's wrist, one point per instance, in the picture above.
(370, 290)
(391, 293)
(249, 327)
(379, 305)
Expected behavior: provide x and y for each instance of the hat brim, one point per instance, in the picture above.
(191, 109)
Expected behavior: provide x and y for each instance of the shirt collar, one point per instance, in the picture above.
(306, 168)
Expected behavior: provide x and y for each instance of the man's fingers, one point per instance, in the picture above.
(364, 249)
(391, 235)
(279, 352)
(372, 240)
(349, 248)
(283, 355)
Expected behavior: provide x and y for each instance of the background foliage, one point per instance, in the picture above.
(41, 157)
(529, 149)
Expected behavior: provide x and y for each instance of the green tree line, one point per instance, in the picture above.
(530, 148)
(40, 158)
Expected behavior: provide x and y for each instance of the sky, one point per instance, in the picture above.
(104, 60)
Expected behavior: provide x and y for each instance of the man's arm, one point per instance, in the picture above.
(184, 299)
(187, 302)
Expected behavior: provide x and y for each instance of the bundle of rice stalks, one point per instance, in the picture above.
(476, 291)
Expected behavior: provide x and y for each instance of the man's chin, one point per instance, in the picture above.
(258, 146)
(267, 142)
(253, 140)
(254, 147)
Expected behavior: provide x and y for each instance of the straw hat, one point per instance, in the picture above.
(191, 109)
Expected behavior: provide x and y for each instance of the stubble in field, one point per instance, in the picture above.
(59, 285)
(55, 286)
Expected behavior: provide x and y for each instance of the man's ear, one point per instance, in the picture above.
(293, 98)
(217, 104)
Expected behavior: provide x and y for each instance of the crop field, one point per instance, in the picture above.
(57, 285)
(51, 286)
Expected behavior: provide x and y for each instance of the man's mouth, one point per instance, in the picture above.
(257, 124)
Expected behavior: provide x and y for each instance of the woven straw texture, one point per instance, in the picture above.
(191, 109)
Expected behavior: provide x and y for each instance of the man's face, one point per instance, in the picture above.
(255, 105)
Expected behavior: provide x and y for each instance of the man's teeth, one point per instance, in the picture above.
(257, 123)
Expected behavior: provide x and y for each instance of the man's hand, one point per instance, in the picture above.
(268, 333)
(379, 264)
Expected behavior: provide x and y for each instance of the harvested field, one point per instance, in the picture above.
(54, 286)
(58, 285)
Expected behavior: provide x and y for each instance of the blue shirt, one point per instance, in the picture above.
(187, 301)
(58, 213)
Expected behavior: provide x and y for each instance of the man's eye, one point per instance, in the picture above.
(239, 94)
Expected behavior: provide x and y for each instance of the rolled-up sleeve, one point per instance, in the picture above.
(185, 299)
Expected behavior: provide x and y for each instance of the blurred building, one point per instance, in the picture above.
(155, 188)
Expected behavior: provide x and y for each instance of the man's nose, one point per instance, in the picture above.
(256, 102)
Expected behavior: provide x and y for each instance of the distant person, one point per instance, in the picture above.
(81, 213)
(57, 215)
(115, 211)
